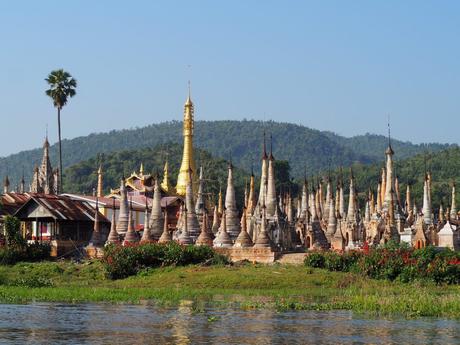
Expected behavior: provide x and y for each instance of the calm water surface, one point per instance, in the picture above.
(127, 324)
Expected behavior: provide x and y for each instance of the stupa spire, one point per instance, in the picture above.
(243, 239)
(215, 221)
(453, 206)
(122, 224)
(263, 176)
(6, 185)
(165, 183)
(223, 239)
(220, 203)
(332, 220)
(263, 240)
(426, 210)
(96, 240)
(252, 195)
(351, 214)
(191, 219)
(205, 238)
(271, 186)
(130, 236)
(113, 234)
(199, 206)
(389, 182)
(304, 200)
(22, 184)
(100, 184)
(188, 161)
(165, 236)
(383, 187)
(184, 237)
(341, 200)
(231, 212)
(379, 198)
(408, 204)
(156, 215)
(146, 235)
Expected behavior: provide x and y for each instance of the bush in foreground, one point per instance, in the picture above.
(33, 252)
(17, 249)
(121, 262)
(393, 262)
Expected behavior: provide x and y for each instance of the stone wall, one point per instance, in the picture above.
(260, 255)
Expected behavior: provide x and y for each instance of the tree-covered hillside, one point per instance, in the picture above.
(242, 140)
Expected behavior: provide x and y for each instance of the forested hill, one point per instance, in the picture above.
(242, 140)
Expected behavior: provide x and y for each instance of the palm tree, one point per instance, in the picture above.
(62, 87)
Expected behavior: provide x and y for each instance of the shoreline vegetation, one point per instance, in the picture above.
(247, 286)
(409, 283)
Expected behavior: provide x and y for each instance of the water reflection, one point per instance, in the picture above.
(147, 324)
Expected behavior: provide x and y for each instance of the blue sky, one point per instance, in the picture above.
(341, 66)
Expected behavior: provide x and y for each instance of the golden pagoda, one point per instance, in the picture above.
(187, 158)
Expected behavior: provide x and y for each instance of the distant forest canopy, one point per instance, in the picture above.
(445, 167)
(302, 147)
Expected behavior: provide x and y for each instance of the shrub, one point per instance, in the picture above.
(33, 282)
(315, 259)
(121, 262)
(13, 235)
(31, 253)
(394, 261)
(37, 252)
(333, 261)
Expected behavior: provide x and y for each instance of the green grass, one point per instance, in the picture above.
(247, 286)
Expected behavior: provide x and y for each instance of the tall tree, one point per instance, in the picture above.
(62, 87)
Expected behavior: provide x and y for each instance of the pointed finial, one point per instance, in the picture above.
(424, 161)
(264, 156)
(271, 147)
(389, 131)
(389, 150)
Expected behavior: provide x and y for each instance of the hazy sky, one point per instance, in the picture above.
(341, 66)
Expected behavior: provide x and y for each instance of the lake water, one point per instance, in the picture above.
(145, 324)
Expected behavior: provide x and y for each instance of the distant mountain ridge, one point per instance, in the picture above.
(303, 147)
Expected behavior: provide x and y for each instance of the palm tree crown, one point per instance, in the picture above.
(62, 87)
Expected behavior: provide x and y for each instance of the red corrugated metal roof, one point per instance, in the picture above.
(138, 200)
(11, 202)
(62, 208)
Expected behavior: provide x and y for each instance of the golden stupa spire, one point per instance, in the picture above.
(187, 158)
(100, 187)
(165, 183)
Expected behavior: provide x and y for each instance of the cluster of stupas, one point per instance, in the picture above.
(320, 219)
(324, 221)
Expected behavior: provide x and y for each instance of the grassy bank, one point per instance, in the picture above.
(246, 286)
